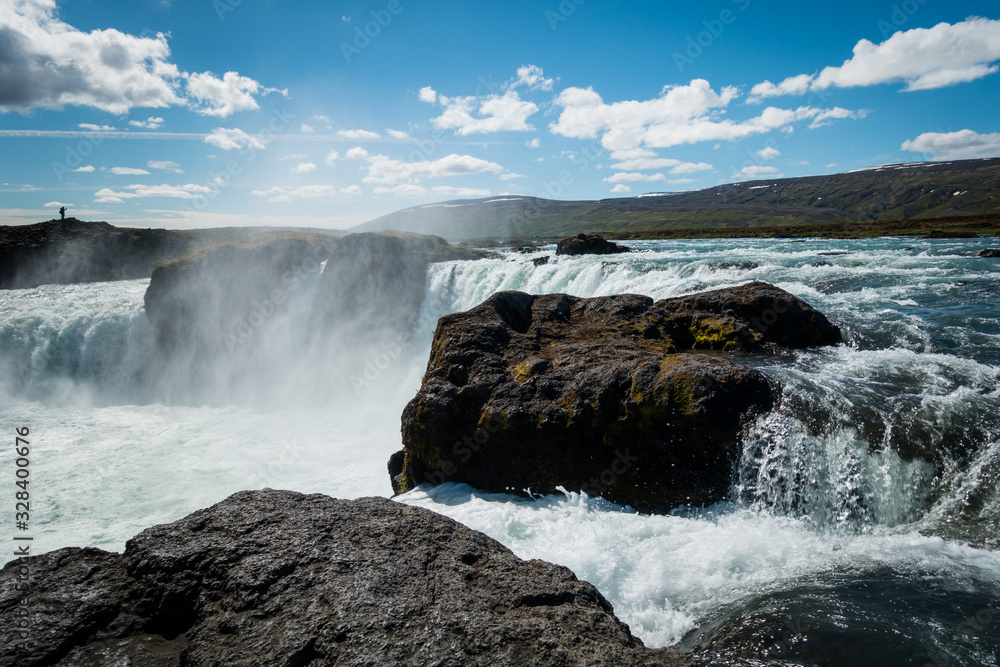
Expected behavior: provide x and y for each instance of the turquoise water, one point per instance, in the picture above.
(861, 512)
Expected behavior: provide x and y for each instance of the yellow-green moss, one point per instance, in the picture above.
(714, 334)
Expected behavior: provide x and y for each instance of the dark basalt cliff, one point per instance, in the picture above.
(281, 578)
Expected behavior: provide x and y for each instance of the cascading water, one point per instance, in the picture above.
(851, 506)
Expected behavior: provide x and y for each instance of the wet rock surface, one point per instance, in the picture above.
(281, 578)
(616, 396)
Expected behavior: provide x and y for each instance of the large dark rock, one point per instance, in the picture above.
(209, 299)
(603, 395)
(73, 251)
(280, 578)
(375, 283)
(587, 244)
(990, 252)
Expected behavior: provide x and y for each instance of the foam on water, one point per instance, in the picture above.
(829, 484)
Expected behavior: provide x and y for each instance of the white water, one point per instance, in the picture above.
(110, 456)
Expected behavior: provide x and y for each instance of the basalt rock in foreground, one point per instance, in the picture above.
(587, 244)
(614, 396)
(281, 578)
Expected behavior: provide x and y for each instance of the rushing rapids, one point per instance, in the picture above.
(863, 513)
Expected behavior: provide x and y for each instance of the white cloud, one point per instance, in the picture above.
(534, 143)
(151, 123)
(189, 191)
(680, 115)
(128, 171)
(621, 188)
(293, 156)
(279, 194)
(331, 157)
(306, 129)
(398, 135)
(404, 190)
(50, 64)
(359, 135)
(451, 191)
(166, 165)
(96, 128)
(85, 168)
(385, 170)
(483, 115)
(756, 171)
(351, 190)
(639, 159)
(303, 168)
(922, 58)
(960, 145)
(223, 97)
(793, 85)
(626, 177)
(230, 139)
(428, 95)
(533, 77)
(768, 153)
(510, 176)
(356, 153)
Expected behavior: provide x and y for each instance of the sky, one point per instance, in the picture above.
(203, 113)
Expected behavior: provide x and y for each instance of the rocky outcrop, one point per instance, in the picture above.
(587, 244)
(208, 300)
(280, 578)
(606, 395)
(990, 252)
(73, 251)
(375, 283)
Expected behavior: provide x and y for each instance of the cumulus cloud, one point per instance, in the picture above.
(398, 135)
(960, 145)
(385, 170)
(626, 177)
(640, 159)
(85, 168)
(151, 123)
(452, 191)
(404, 190)
(768, 153)
(47, 63)
(351, 190)
(331, 157)
(356, 153)
(533, 77)
(483, 115)
(128, 171)
(165, 165)
(922, 58)
(303, 168)
(96, 128)
(534, 143)
(686, 114)
(756, 171)
(232, 138)
(428, 95)
(188, 191)
(359, 135)
(510, 176)
(621, 188)
(279, 194)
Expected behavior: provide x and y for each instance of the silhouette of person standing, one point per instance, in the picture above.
(62, 212)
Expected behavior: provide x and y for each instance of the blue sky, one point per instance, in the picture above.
(197, 113)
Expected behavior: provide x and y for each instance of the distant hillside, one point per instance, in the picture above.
(888, 192)
(75, 251)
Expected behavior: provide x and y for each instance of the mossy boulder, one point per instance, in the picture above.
(608, 395)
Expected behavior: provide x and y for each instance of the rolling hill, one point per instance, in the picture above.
(916, 190)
